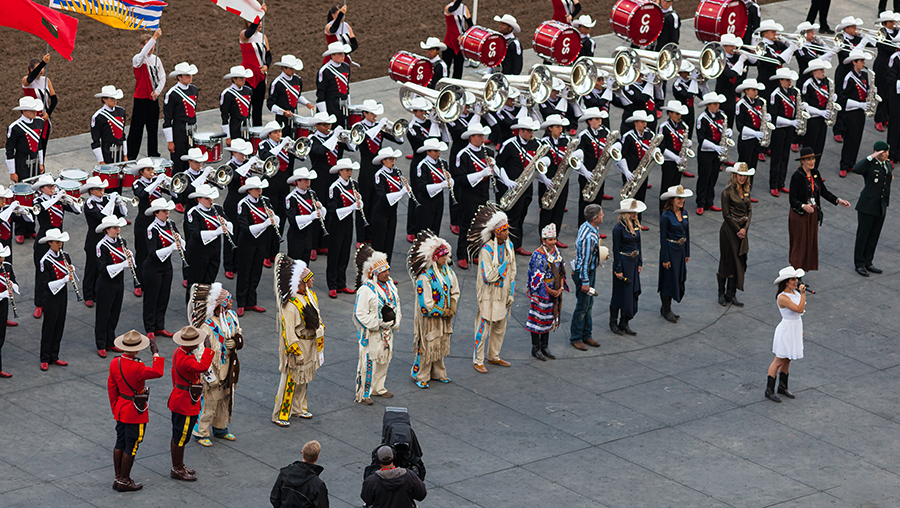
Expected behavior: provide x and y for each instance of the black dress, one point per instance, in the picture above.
(626, 291)
(675, 248)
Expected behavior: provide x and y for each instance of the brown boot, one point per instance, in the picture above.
(117, 465)
(179, 471)
(126, 484)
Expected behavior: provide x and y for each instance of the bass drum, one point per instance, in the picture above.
(637, 21)
(483, 45)
(406, 67)
(715, 18)
(557, 41)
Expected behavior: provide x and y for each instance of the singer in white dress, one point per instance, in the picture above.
(788, 342)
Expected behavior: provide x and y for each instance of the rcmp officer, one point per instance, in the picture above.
(205, 225)
(97, 206)
(474, 177)
(389, 190)
(240, 165)
(234, 105)
(162, 243)
(343, 200)
(112, 259)
(284, 93)
(8, 286)
(303, 208)
(433, 48)
(512, 62)
(108, 128)
(179, 113)
(150, 80)
(184, 401)
(256, 226)
(53, 210)
(674, 133)
(514, 155)
(55, 272)
(333, 83)
(871, 208)
(583, 24)
(432, 177)
(147, 187)
(24, 157)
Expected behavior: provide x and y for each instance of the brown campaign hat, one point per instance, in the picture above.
(187, 336)
(132, 340)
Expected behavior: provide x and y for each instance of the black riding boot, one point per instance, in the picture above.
(666, 309)
(770, 390)
(536, 347)
(731, 292)
(783, 385)
(722, 301)
(623, 325)
(614, 320)
(545, 341)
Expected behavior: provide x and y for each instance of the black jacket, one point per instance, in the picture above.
(876, 193)
(801, 192)
(392, 488)
(299, 486)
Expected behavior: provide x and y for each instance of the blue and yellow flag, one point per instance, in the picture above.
(123, 14)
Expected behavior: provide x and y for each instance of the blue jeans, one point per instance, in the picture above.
(582, 323)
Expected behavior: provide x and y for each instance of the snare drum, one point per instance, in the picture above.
(407, 67)
(161, 165)
(301, 131)
(70, 187)
(715, 18)
(109, 173)
(557, 41)
(484, 45)
(74, 174)
(210, 145)
(255, 138)
(23, 194)
(354, 117)
(127, 178)
(638, 21)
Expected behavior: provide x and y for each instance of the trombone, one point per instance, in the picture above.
(758, 52)
(538, 84)
(711, 60)
(449, 101)
(492, 93)
(580, 77)
(881, 36)
(625, 65)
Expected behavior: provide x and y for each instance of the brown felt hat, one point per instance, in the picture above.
(187, 336)
(132, 340)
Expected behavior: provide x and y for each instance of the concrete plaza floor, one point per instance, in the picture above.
(674, 416)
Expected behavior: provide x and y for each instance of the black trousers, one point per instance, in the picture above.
(277, 191)
(429, 215)
(456, 209)
(157, 280)
(517, 215)
(454, 60)
(54, 324)
(204, 261)
(893, 128)
(820, 8)
(854, 125)
(707, 175)
(251, 253)
(468, 206)
(748, 151)
(144, 116)
(412, 224)
(141, 222)
(4, 315)
(366, 185)
(582, 203)
(108, 309)
(299, 242)
(868, 230)
(256, 104)
(384, 228)
(180, 139)
(91, 272)
(882, 4)
(554, 215)
(39, 250)
(340, 241)
(781, 154)
(816, 130)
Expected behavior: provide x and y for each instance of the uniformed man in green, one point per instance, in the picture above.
(871, 208)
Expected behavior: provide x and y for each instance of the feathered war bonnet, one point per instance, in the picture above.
(425, 251)
(203, 301)
(488, 219)
(369, 263)
(289, 273)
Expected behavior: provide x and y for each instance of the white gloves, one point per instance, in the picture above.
(623, 168)
(853, 105)
(729, 133)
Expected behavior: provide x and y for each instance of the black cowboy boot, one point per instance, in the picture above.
(613, 320)
(536, 347)
(783, 386)
(545, 341)
(731, 292)
(623, 325)
(722, 301)
(770, 390)
(666, 309)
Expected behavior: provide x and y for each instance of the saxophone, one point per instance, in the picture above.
(684, 154)
(831, 105)
(653, 154)
(725, 142)
(590, 191)
(872, 97)
(765, 125)
(566, 165)
(523, 182)
(801, 114)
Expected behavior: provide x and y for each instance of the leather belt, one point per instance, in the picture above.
(126, 397)
(739, 219)
(680, 241)
(632, 254)
(186, 388)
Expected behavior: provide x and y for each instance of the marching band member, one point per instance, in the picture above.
(627, 263)
(8, 207)
(671, 29)
(162, 241)
(369, 151)
(239, 164)
(592, 141)
(635, 144)
(849, 39)
(512, 62)
(853, 91)
(147, 187)
(210, 311)
(584, 24)
(284, 93)
(301, 335)
(892, 95)
(753, 20)
(36, 84)
(8, 286)
(150, 80)
(255, 55)
(674, 249)
(472, 168)
(54, 273)
(343, 200)
(637, 96)
(815, 93)
(546, 282)
(195, 175)
(184, 401)
(674, 133)
(502, 120)
(433, 48)
(108, 137)
(234, 105)
(432, 177)
(458, 20)
(277, 186)
(782, 107)
(255, 215)
(324, 153)
(565, 11)
(420, 128)
(53, 211)
(710, 130)
(437, 298)
(112, 258)
(97, 206)
(806, 53)
(733, 74)
(455, 130)
(338, 30)
(24, 156)
(303, 207)
(554, 126)
(377, 316)
(600, 98)
(776, 49)
(749, 120)
(333, 83)
(205, 225)
(885, 50)
(180, 115)
(516, 153)
(389, 189)
(495, 289)
(558, 104)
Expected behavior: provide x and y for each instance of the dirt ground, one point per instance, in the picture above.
(200, 32)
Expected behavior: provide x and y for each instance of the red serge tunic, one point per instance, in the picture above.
(136, 373)
(186, 371)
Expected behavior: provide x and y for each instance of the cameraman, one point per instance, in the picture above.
(298, 485)
(391, 487)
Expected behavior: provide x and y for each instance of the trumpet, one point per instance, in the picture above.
(538, 84)
(449, 101)
(711, 60)
(625, 65)
(665, 62)
(580, 77)
(492, 93)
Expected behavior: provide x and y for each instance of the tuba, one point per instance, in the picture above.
(267, 167)
(449, 101)
(538, 84)
(590, 191)
(580, 77)
(397, 129)
(711, 60)
(665, 62)
(566, 165)
(653, 155)
(492, 94)
(625, 65)
(222, 176)
(523, 182)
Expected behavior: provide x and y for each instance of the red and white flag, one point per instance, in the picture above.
(247, 9)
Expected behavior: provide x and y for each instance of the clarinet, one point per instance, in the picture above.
(184, 262)
(316, 203)
(358, 197)
(9, 287)
(408, 187)
(447, 177)
(270, 213)
(137, 283)
(65, 256)
(222, 225)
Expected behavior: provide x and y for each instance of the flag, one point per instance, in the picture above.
(123, 14)
(247, 9)
(57, 29)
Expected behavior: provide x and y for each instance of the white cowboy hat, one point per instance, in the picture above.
(386, 153)
(94, 182)
(241, 146)
(54, 235)
(433, 144)
(475, 128)
(196, 155)
(290, 61)
(344, 163)
(741, 168)
(254, 182)
(420, 103)
(6, 193)
(526, 122)
(189, 336)
(132, 341)
(769, 24)
(337, 47)
(514, 93)
(807, 26)
(848, 21)
(584, 20)
(110, 221)
(711, 97)
(29, 104)
(816, 64)
(885, 16)
(729, 40)
(159, 204)
(204, 190)
(749, 83)
(183, 68)
(110, 92)
(321, 117)
(509, 20)
(640, 115)
(238, 71)
(554, 119)
(675, 107)
(269, 128)
(5, 251)
(302, 174)
(433, 42)
(45, 179)
(370, 106)
(784, 73)
(857, 54)
(145, 162)
(558, 84)
(631, 206)
(789, 272)
(686, 66)
(676, 191)
(594, 112)
(470, 98)
(897, 16)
